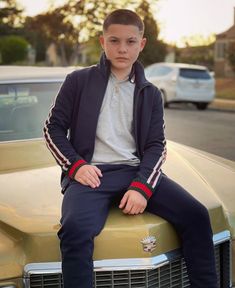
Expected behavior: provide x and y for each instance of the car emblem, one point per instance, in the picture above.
(149, 243)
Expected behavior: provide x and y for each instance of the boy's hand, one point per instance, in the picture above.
(88, 175)
(133, 203)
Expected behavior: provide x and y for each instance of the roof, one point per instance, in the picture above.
(30, 73)
(181, 65)
(228, 34)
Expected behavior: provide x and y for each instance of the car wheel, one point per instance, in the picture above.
(164, 98)
(201, 105)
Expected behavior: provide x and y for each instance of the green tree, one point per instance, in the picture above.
(51, 27)
(13, 49)
(200, 55)
(155, 49)
(10, 17)
(80, 22)
(70, 25)
(231, 55)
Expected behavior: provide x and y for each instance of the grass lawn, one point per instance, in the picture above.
(225, 88)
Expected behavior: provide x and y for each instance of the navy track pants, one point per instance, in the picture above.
(85, 209)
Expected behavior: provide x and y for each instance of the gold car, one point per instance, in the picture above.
(138, 252)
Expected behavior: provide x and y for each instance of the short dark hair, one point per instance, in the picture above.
(123, 17)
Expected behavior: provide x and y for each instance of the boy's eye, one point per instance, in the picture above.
(131, 41)
(113, 41)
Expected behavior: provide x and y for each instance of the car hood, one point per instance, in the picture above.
(30, 202)
(30, 199)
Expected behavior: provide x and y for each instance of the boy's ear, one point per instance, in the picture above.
(101, 41)
(143, 43)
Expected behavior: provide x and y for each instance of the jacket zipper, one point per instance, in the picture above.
(136, 100)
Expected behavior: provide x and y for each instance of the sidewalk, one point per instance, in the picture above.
(223, 104)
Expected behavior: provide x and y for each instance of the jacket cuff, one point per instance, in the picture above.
(74, 168)
(143, 188)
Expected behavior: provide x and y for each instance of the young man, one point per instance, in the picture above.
(106, 131)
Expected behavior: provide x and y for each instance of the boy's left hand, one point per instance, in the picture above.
(133, 203)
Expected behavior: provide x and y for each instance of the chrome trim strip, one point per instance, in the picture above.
(120, 264)
(221, 237)
(107, 265)
(21, 140)
(35, 80)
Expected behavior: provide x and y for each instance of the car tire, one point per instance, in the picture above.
(201, 105)
(164, 98)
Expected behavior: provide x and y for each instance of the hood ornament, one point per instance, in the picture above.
(149, 243)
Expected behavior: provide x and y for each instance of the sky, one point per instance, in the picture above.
(177, 18)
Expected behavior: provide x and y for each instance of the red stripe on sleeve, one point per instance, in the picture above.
(142, 187)
(72, 169)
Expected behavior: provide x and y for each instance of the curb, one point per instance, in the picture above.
(223, 104)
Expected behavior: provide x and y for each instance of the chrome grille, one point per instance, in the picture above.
(51, 280)
(171, 275)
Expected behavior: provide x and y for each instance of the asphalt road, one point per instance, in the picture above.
(211, 130)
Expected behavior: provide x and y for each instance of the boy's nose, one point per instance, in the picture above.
(122, 48)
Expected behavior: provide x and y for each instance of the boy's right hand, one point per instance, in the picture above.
(89, 175)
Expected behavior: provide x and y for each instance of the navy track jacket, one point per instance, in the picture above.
(70, 129)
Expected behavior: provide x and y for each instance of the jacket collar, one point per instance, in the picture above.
(137, 72)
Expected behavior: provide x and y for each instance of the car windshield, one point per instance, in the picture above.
(24, 108)
(158, 70)
(194, 73)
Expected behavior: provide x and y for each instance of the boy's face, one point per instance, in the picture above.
(122, 45)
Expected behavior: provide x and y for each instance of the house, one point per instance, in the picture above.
(223, 41)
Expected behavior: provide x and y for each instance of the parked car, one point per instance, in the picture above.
(131, 251)
(181, 82)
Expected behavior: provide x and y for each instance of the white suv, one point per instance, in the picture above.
(181, 82)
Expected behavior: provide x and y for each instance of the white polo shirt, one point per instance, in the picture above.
(114, 143)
